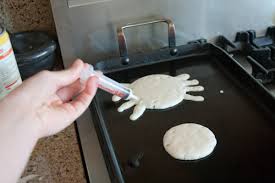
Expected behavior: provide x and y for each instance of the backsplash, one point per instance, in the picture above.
(27, 15)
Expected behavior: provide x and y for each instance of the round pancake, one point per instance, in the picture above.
(189, 141)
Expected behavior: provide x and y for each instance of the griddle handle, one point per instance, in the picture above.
(122, 39)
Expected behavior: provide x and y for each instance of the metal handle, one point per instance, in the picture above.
(122, 39)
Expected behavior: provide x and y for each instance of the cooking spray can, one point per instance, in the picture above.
(9, 74)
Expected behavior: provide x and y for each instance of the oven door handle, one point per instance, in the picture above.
(122, 39)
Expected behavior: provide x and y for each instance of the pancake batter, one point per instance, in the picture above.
(189, 141)
(159, 91)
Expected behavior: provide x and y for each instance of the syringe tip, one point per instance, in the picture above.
(132, 96)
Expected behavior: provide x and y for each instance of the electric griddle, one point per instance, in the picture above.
(241, 117)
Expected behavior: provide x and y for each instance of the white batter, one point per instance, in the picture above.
(160, 91)
(189, 141)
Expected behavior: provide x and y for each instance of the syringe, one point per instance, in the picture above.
(107, 84)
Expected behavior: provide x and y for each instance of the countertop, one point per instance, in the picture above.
(26, 15)
(56, 159)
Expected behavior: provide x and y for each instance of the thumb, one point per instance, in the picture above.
(70, 75)
(64, 114)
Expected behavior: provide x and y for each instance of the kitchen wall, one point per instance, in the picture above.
(23, 15)
(199, 18)
(89, 31)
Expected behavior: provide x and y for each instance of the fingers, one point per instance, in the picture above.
(68, 92)
(83, 100)
(76, 107)
(70, 75)
(194, 89)
(183, 77)
(138, 111)
(191, 82)
(193, 98)
(126, 106)
(60, 115)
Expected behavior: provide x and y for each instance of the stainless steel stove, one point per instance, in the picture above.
(87, 29)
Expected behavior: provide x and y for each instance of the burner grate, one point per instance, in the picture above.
(258, 51)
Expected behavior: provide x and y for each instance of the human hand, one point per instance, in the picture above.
(50, 101)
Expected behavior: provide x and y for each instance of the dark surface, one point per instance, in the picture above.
(243, 125)
(260, 52)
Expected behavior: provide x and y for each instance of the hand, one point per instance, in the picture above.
(50, 101)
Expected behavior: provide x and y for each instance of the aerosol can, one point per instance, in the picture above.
(9, 74)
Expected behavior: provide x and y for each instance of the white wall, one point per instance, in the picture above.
(92, 28)
(208, 18)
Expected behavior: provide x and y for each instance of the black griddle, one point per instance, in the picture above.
(242, 119)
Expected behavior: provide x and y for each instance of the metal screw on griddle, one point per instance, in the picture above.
(173, 51)
(125, 60)
(134, 161)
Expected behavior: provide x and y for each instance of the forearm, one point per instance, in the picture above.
(17, 139)
(43, 105)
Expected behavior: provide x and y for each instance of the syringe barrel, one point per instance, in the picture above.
(106, 83)
(112, 86)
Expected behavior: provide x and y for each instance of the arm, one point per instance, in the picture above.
(40, 107)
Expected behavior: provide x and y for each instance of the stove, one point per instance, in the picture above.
(133, 151)
(87, 29)
(258, 51)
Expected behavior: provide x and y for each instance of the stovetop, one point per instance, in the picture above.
(133, 151)
(241, 50)
(255, 53)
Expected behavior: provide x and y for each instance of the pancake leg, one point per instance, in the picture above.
(116, 98)
(191, 82)
(126, 105)
(194, 89)
(138, 111)
(183, 77)
(193, 98)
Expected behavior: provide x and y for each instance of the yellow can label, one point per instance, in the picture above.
(9, 73)
(4, 38)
